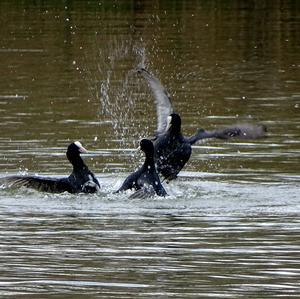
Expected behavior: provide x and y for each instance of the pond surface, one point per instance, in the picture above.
(230, 226)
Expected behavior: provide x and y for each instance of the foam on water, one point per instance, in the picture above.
(189, 195)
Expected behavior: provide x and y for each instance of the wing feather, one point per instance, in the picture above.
(243, 131)
(162, 100)
(47, 184)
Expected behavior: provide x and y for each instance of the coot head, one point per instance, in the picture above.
(146, 146)
(174, 122)
(74, 150)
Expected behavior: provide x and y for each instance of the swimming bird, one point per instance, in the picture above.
(145, 180)
(80, 180)
(172, 149)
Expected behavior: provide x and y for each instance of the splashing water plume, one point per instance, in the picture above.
(115, 88)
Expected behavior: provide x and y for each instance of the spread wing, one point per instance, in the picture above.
(46, 184)
(243, 131)
(162, 100)
(130, 182)
(143, 193)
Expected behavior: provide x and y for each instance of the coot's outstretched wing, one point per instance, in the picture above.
(45, 184)
(143, 193)
(243, 131)
(162, 100)
(130, 182)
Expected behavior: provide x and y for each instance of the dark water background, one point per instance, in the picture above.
(230, 227)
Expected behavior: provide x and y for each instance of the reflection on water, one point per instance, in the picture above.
(231, 223)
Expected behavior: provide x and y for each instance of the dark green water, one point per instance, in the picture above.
(230, 227)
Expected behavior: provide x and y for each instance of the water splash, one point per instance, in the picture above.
(116, 88)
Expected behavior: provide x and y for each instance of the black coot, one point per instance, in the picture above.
(80, 180)
(145, 180)
(172, 149)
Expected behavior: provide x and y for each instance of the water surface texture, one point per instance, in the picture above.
(230, 226)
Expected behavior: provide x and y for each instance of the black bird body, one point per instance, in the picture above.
(80, 180)
(172, 149)
(146, 177)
